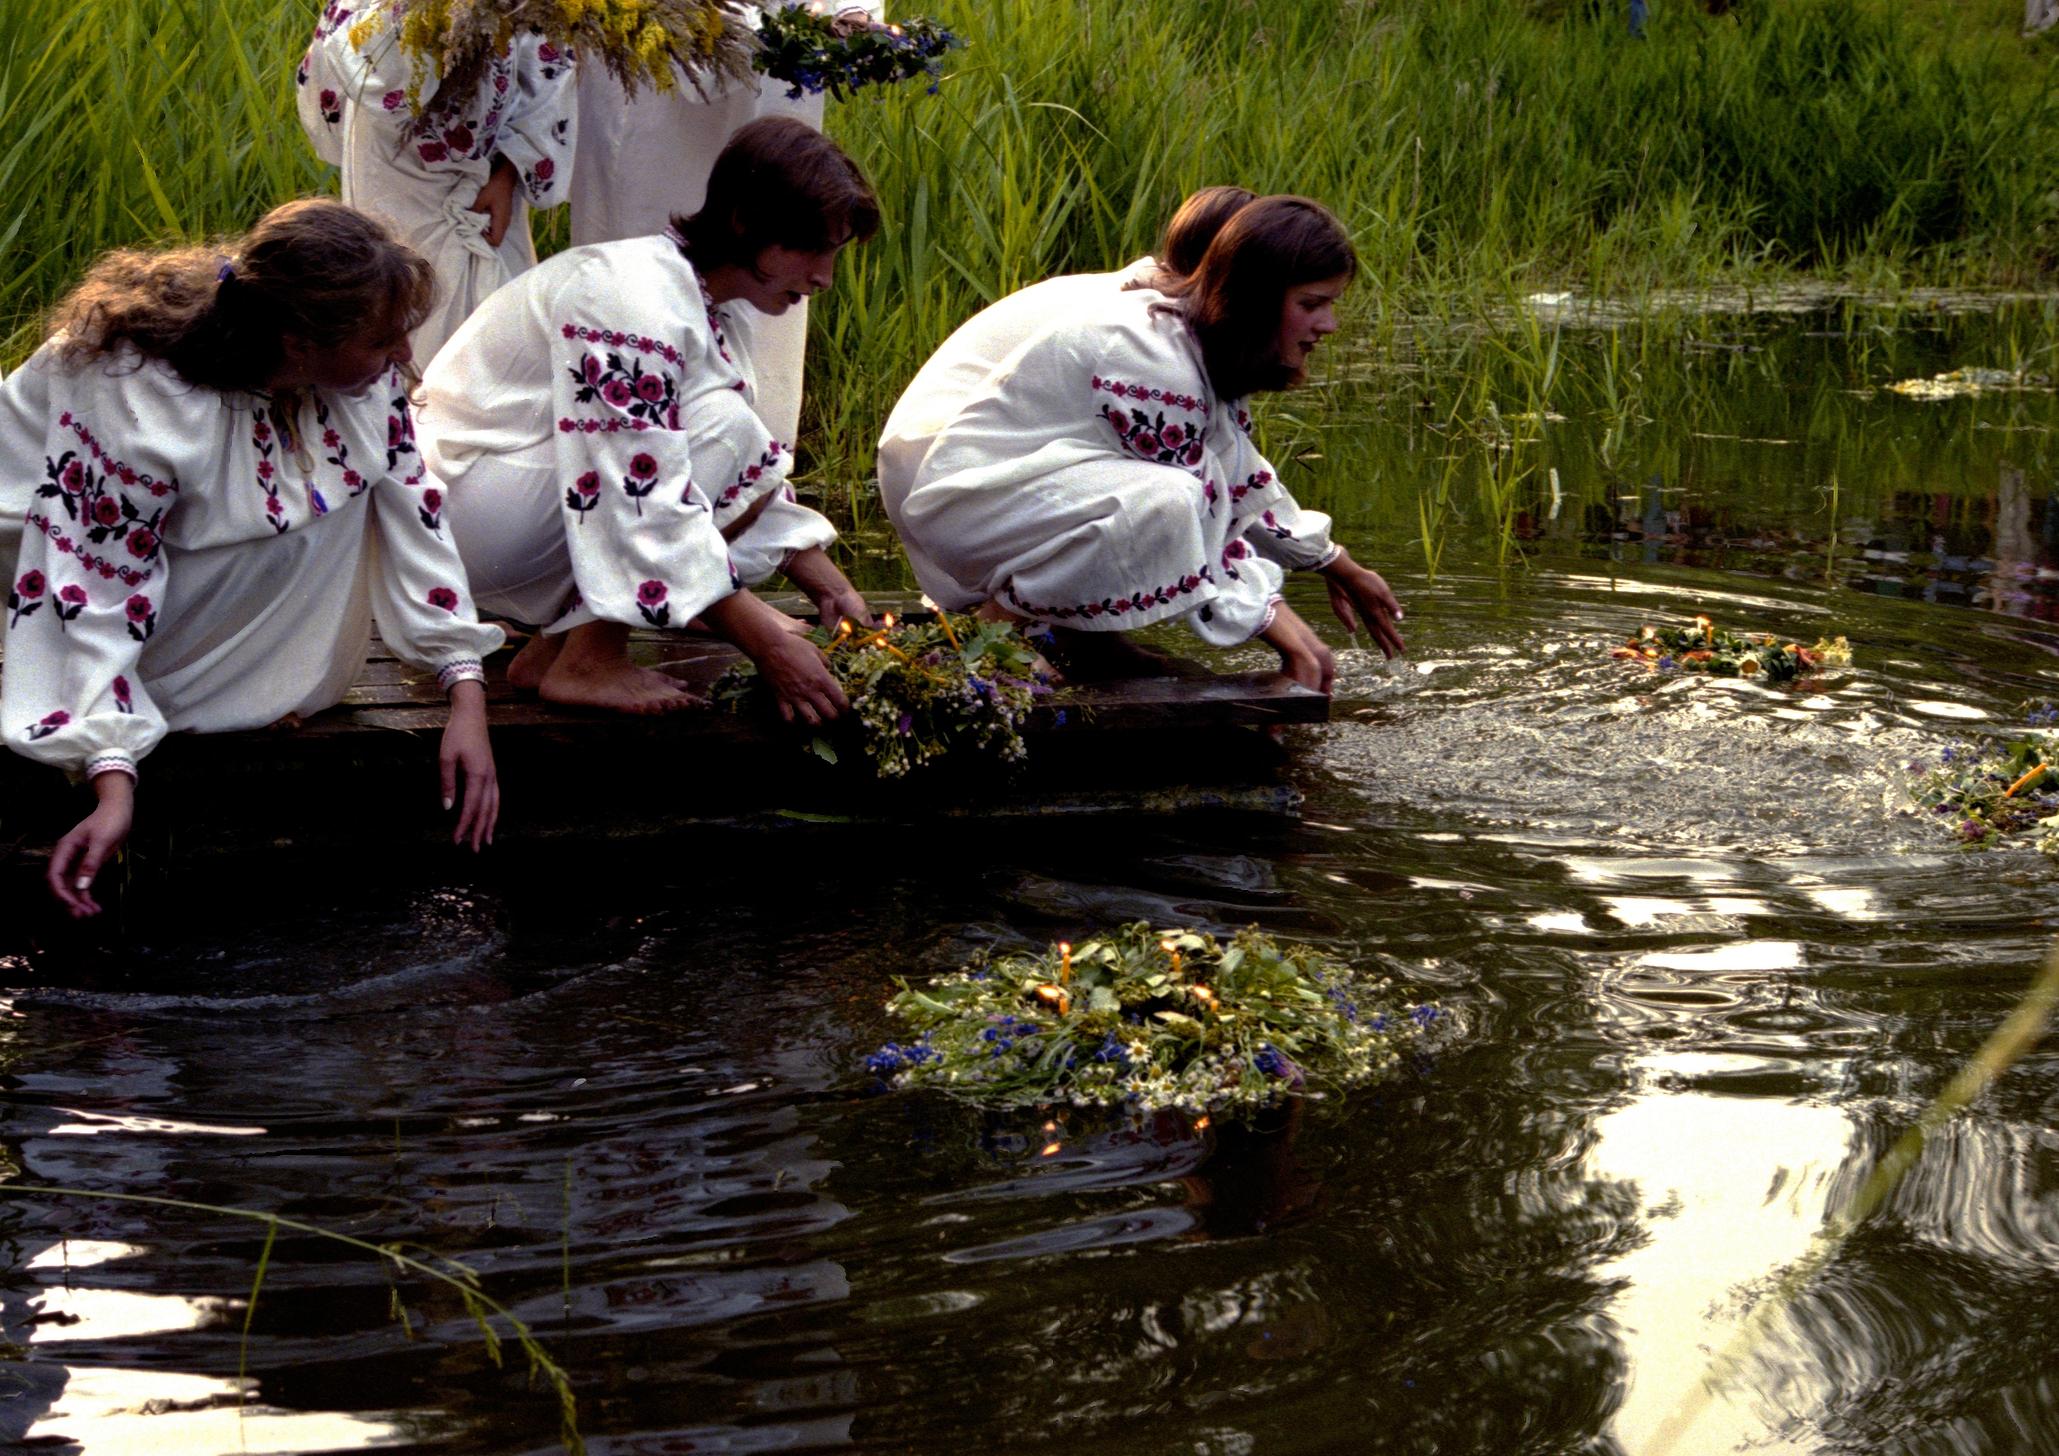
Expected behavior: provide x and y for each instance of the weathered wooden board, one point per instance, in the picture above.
(1142, 731)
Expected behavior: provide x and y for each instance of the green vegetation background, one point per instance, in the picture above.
(1478, 149)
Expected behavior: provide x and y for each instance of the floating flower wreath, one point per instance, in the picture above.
(1153, 1020)
(1714, 650)
(1991, 794)
(920, 689)
(813, 53)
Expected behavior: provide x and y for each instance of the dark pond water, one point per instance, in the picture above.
(1706, 968)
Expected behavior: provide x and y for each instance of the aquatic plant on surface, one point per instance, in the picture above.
(1152, 1019)
(920, 689)
(814, 53)
(1991, 795)
(1719, 652)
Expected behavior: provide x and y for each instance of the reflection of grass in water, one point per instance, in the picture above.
(461, 1279)
(1768, 423)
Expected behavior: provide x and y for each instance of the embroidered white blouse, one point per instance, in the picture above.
(1091, 478)
(196, 560)
(422, 173)
(608, 369)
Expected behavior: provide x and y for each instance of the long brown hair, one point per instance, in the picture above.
(219, 314)
(1234, 297)
(1190, 230)
(779, 182)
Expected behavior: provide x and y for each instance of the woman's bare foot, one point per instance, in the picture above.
(593, 670)
(527, 669)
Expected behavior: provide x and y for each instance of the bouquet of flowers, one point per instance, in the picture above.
(919, 689)
(1988, 794)
(1152, 1020)
(814, 53)
(1705, 647)
(638, 41)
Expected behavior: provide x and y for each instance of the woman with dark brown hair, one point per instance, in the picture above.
(1104, 478)
(594, 424)
(212, 467)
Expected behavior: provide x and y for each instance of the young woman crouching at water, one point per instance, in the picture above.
(212, 469)
(593, 422)
(958, 371)
(1103, 477)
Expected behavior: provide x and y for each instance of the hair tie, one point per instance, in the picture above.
(226, 273)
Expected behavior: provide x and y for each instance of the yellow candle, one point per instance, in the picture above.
(1065, 970)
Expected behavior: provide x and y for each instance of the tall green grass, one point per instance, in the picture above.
(1477, 149)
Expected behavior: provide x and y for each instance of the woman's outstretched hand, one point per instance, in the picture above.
(1303, 656)
(466, 754)
(78, 858)
(1361, 595)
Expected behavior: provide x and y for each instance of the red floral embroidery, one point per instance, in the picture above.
(50, 724)
(71, 600)
(98, 565)
(26, 596)
(751, 475)
(142, 615)
(444, 597)
(1154, 438)
(1140, 601)
(616, 340)
(583, 494)
(650, 600)
(1147, 391)
(122, 700)
(641, 480)
(431, 510)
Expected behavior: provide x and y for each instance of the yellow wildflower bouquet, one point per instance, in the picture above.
(639, 41)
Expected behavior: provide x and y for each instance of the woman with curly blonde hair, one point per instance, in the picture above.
(211, 464)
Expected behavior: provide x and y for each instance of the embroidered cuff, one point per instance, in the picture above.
(101, 763)
(1272, 610)
(1336, 550)
(464, 669)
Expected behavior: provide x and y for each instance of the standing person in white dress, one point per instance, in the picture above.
(213, 469)
(962, 363)
(1103, 477)
(594, 423)
(454, 175)
(674, 137)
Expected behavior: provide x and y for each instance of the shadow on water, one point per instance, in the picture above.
(1706, 965)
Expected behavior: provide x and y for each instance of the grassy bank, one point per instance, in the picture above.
(1478, 149)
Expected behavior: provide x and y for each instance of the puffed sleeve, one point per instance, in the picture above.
(84, 594)
(769, 541)
(1271, 520)
(630, 411)
(419, 595)
(540, 129)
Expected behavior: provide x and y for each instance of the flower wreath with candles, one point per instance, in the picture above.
(1991, 795)
(1719, 652)
(1152, 1020)
(920, 689)
(639, 42)
(846, 51)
